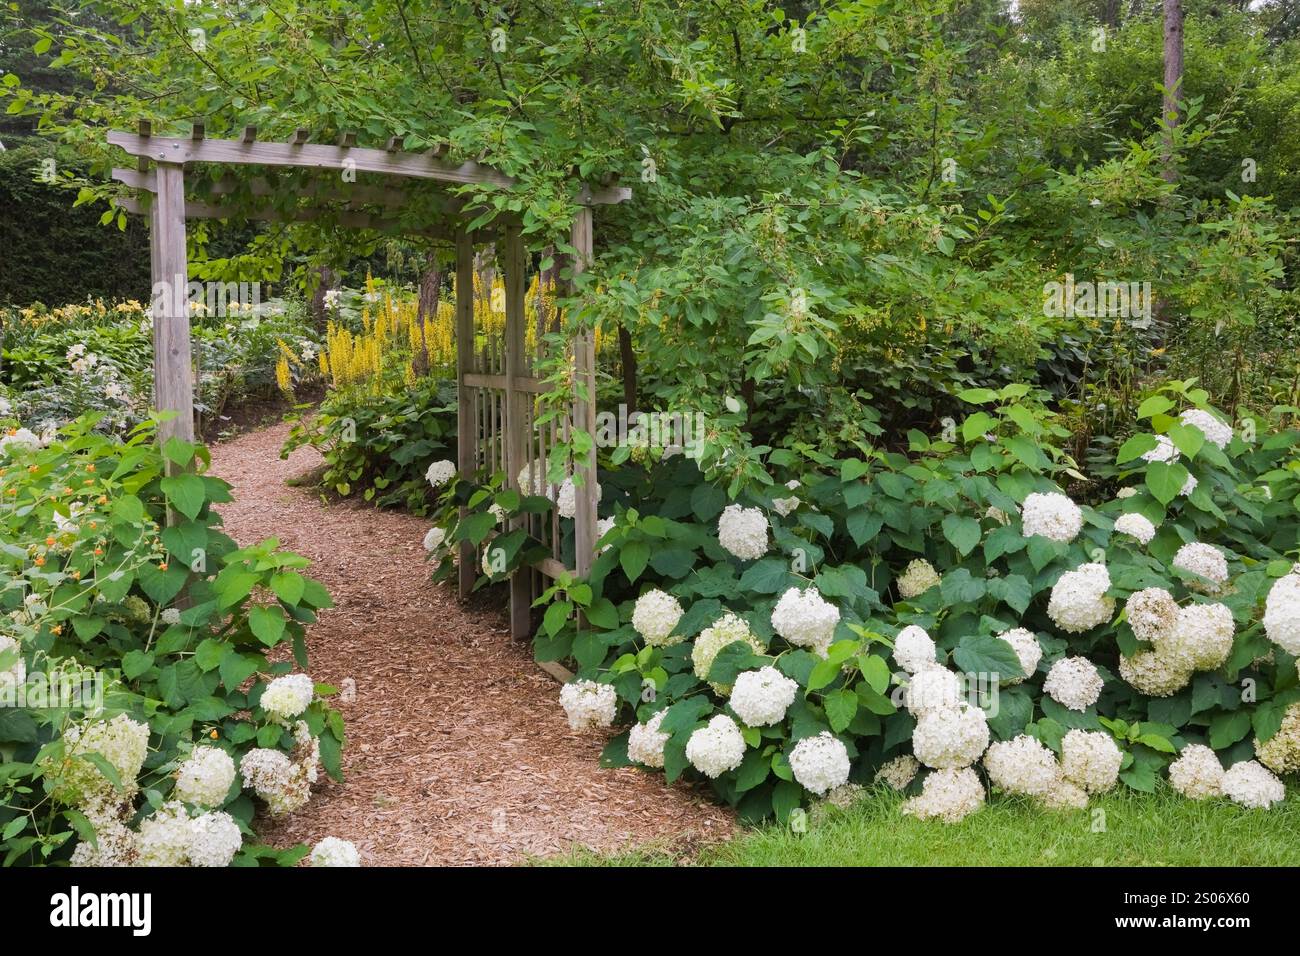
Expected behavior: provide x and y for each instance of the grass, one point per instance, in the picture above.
(1131, 829)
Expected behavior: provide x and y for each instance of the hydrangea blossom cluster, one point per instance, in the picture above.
(214, 840)
(1154, 674)
(332, 851)
(1091, 760)
(1028, 651)
(820, 763)
(205, 778)
(951, 737)
(13, 675)
(645, 742)
(19, 440)
(806, 619)
(1022, 765)
(1205, 561)
(1281, 752)
(1052, 515)
(1136, 526)
(743, 532)
(1201, 636)
(716, 748)
(760, 698)
(288, 696)
(440, 472)
(273, 776)
(1282, 613)
(1215, 431)
(566, 498)
(1073, 682)
(170, 838)
(1151, 612)
(948, 795)
(1078, 602)
(1197, 773)
(1165, 450)
(589, 704)
(917, 578)
(914, 649)
(123, 742)
(786, 506)
(1250, 784)
(655, 615)
(899, 772)
(115, 842)
(434, 538)
(726, 630)
(932, 689)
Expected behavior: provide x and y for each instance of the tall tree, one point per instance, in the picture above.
(1173, 80)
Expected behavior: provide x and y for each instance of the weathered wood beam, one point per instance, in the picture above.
(173, 378)
(584, 407)
(518, 414)
(466, 426)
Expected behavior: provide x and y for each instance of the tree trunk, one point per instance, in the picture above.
(1173, 81)
(627, 358)
(324, 281)
(430, 291)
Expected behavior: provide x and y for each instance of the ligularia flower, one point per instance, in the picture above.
(1202, 635)
(1197, 773)
(214, 839)
(1090, 759)
(1136, 526)
(726, 630)
(1053, 515)
(1079, 602)
(1022, 765)
(288, 696)
(820, 763)
(1281, 752)
(761, 698)
(1204, 560)
(950, 795)
(1029, 652)
(914, 649)
(805, 619)
(589, 704)
(1073, 682)
(1165, 450)
(743, 532)
(931, 689)
(1282, 614)
(716, 748)
(645, 742)
(440, 472)
(951, 737)
(1151, 612)
(654, 617)
(1154, 674)
(205, 777)
(332, 851)
(1250, 784)
(1215, 431)
(434, 538)
(917, 578)
(899, 772)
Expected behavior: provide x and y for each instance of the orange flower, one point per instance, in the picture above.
(40, 561)
(163, 566)
(89, 481)
(99, 552)
(90, 467)
(103, 499)
(213, 735)
(76, 575)
(50, 540)
(57, 629)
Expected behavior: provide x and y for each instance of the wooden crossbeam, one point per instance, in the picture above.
(259, 186)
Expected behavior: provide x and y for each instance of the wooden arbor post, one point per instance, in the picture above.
(172, 374)
(519, 418)
(466, 425)
(584, 408)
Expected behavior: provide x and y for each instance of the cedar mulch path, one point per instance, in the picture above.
(458, 751)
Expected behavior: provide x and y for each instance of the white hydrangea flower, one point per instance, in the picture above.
(1064, 795)
(1091, 759)
(655, 615)
(1197, 773)
(566, 499)
(1202, 635)
(332, 851)
(1165, 450)
(1073, 682)
(951, 737)
(820, 763)
(440, 472)
(932, 689)
(1078, 602)
(645, 742)
(948, 795)
(1136, 526)
(115, 842)
(725, 630)
(760, 698)
(1151, 613)
(123, 742)
(1250, 784)
(1215, 431)
(899, 772)
(1281, 752)
(214, 840)
(12, 677)
(784, 506)
(1204, 560)
(602, 528)
(805, 619)
(288, 696)
(917, 578)
(716, 748)
(434, 538)
(1188, 487)
(1029, 652)
(284, 785)
(589, 704)
(164, 838)
(1022, 765)
(1154, 674)
(1052, 515)
(19, 440)
(1126, 492)
(743, 532)
(1282, 614)
(914, 649)
(205, 777)
(531, 479)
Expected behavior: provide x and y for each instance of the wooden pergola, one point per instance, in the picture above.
(497, 390)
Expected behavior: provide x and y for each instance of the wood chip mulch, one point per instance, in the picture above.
(458, 751)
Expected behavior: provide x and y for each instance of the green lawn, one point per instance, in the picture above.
(1136, 830)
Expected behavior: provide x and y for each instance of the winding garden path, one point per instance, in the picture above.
(458, 751)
